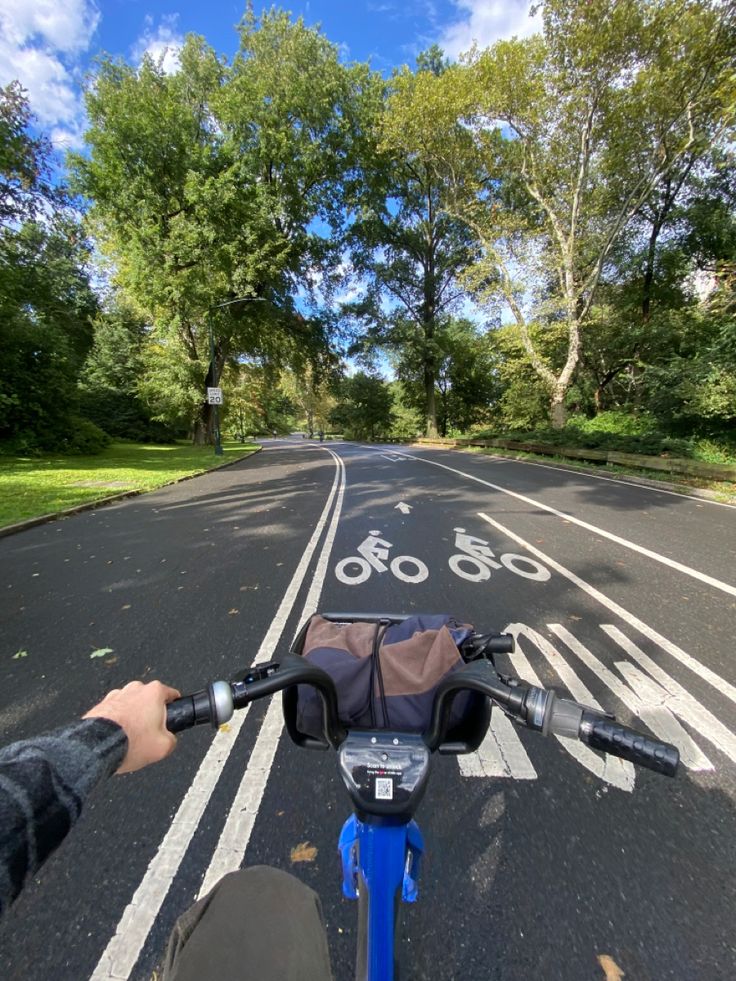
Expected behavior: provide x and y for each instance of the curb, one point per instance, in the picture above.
(43, 519)
(682, 489)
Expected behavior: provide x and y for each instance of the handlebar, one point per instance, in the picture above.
(537, 708)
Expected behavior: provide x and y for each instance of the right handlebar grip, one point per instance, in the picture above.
(612, 737)
(180, 714)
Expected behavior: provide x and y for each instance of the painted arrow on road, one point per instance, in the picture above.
(404, 508)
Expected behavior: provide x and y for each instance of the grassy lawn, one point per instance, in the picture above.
(32, 486)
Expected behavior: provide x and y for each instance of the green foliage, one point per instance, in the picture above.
(24, 161)
(111, 376)
(364, 409)
(256, 401)
(553, 144)
(206, 187)
(406, 417)
(84, 438)
(46, 308)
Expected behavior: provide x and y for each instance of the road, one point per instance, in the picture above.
(543, 857)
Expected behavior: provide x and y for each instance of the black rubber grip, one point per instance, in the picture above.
(611, 737)
(180, 714)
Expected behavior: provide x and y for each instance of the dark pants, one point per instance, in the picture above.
(260, 924)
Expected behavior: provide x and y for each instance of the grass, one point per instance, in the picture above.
(34, 486)
(723, 491)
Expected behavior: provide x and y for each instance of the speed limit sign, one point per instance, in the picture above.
(214, 396)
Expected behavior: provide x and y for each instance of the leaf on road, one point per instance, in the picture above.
(611, 969)
(111, 660)
(20, 654)
(304, 852)
(225, 727)
(125, 607)
(101, 652)
(233, 612)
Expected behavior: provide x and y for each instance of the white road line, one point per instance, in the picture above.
(648, 701)
(611, 480)
(501, 753)
(682, 703)
(720, 684)
(241, 819)
(123, 950)
(671, 563)
(620, 773)
(592, 476)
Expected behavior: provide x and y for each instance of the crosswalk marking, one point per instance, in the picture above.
(647, 691)
(501, 753)
(611, 769)
(648, 702)
(681, 702)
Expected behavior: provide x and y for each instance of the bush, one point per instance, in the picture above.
(616, 421)
(85, 438)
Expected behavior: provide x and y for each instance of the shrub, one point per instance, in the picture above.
(84, 439)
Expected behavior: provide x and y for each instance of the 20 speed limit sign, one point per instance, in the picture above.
(214, 396)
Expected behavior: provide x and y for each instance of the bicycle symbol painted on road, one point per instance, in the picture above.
(373, 551)
(477, 554)
(474, 561)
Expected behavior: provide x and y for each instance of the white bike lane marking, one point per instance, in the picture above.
(720, 684)
(651, 694)
(231, 847)
(373, 552)
(671, 563)
(120, 956)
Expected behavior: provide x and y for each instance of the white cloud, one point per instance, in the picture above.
(163, 44)
(66, 27)
(483, 22)
(40, 44)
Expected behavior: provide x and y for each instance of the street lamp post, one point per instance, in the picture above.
(217, 306)
(218, 441)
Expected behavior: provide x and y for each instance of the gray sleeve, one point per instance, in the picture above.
(43, 784)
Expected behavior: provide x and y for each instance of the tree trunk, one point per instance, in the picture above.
(204, 426)
(557, 410)
(431, 401)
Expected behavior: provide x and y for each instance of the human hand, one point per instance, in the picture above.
(141, 711)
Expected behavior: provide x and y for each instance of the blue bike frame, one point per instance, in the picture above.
(381, 856)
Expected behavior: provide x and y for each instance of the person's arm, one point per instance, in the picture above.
(44, 781)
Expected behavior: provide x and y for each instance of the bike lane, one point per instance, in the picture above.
(181, 584)
(543, 857)
(695, 533)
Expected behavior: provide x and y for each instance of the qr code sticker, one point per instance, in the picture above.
(384, 788)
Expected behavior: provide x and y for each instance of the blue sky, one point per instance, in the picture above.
(49, 44)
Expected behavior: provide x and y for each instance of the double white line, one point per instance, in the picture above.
(123, 950)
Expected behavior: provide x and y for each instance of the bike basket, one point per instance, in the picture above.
(386, 671)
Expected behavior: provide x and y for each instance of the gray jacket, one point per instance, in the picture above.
(43, 784)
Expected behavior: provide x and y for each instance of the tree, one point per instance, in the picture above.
(110, 379)
(564, 139)
(364, 407)
(468, 382)
(309, 391)
(206, 187)
(409, 251)
(46, 308)
(25, 161)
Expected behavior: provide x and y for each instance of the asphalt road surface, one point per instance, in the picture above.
(544, 859)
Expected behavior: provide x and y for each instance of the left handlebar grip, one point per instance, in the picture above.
(180, 714)
(214, 704)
